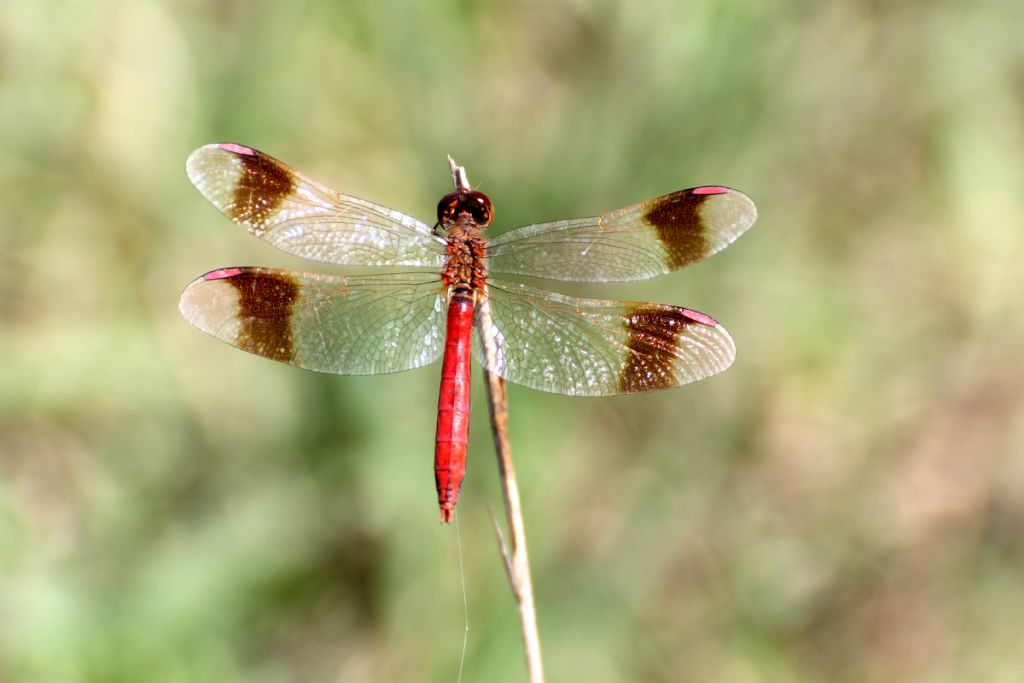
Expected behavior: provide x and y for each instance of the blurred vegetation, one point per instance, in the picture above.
(845, 504)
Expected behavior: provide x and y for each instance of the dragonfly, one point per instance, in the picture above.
(437, 288)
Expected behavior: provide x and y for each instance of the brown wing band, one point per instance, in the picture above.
(676, 218)
(652, 346)
(264, 309)
(262, 186)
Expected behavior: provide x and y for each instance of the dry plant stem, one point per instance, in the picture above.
(516, 561)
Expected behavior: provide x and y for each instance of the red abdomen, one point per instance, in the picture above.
(453, 405)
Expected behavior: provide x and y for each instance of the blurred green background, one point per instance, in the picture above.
(845, 504)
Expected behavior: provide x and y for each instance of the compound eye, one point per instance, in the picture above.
(479, 206)
(447, 208)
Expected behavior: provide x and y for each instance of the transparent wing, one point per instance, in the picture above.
(592, 347)
(304, 217)
(635, 243)
(344, 325)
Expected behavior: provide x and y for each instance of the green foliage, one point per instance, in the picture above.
(845, 504)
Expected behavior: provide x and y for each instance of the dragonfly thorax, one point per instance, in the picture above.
(465, 269)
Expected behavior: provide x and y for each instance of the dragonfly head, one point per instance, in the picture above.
(476, 204)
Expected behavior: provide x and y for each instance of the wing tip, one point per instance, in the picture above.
(195, 298)
(747, 209)
(186, 302)
(200, 153)
(751, 206)
(728, 349)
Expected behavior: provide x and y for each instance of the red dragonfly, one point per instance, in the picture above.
(370, 324)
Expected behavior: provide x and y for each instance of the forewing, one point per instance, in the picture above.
(635, 243)
(304, 217)
(592, 347)
(344, 325)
